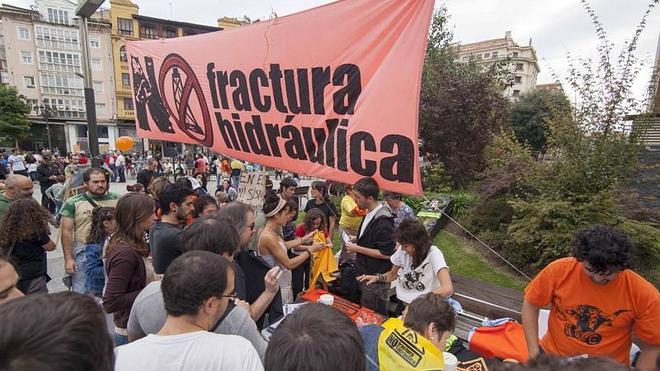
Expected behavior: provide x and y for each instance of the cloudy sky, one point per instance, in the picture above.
(555, 27)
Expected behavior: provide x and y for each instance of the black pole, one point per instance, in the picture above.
(92, 132)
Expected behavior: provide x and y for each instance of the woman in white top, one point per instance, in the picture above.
(272, 246)
(417, 266)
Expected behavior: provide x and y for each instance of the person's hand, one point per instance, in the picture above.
(351, 247)
(352, 238)
(243, 304)
(308, 237)
(52, 177)
(534, 352)
(318, 246)
(272, 280)
(369, 279)
(70, 266)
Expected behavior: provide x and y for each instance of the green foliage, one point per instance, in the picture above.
(435, 179)
(461, 106)
(13, 115)
(531, 210)
(529, 114)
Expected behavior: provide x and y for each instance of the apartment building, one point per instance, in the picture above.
(128, 25)
(40, 54)
(523, 61)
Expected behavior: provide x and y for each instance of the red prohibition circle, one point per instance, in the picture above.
(170, 62)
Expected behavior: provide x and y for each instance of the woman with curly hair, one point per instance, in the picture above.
(128, 266)
(24, 235)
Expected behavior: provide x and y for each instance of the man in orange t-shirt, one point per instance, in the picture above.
(597, 303)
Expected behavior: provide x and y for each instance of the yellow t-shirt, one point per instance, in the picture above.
(348, 220)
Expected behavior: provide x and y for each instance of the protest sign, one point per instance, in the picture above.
(331, 92)
(252, 189)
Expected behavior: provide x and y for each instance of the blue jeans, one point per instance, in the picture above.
(119, 339)
(79, 279)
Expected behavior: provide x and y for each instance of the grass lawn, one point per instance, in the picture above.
(468, 263)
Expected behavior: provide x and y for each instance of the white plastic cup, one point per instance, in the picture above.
(451, 362)
(326, 299)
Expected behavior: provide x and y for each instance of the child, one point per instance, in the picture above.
(103, 227)
(56, 193)
(24, 235)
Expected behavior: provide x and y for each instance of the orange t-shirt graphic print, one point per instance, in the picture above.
(599, 320)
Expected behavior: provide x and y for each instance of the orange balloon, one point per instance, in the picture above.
(124, 143)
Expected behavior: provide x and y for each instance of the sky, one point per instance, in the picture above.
(555, 27)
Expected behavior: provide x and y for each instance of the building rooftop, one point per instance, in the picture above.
(175, 23)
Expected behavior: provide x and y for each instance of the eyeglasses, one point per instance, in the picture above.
(231, 296)
(595, 271)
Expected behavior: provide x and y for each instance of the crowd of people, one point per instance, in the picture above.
(167, 277)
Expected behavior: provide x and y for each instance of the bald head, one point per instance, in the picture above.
(18, 186)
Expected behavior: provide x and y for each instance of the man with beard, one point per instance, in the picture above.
(77, 221)
(176, 203)
(16, 186)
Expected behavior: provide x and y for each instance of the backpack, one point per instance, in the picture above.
(346, 284)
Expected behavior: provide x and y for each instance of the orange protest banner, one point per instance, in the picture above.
(331, 92)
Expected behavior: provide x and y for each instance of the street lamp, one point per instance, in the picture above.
(47, 112)
(85, 10)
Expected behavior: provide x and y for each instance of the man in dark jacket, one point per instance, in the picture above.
(374, 244)
(47, 173)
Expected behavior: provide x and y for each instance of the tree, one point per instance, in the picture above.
(593, 154)
(14, 124)
(461, 106)
(530, 113)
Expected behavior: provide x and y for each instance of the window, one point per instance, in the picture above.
(148, 32)
(125, 80)
(67, 107)
(98, 86)
(100, 110)
(519, 66)
(170, 33)
(29, 81)
(81, 130)
(26, 57)
(125, 26)
(94, 42)
(23, 33)
(58, 16)
(32, 103)
(494, 55)
(466, 59)
(61, 83)
(486, 55)
(96, 64)
(516, 93)
(59, 61)
(128, 104)
(103, 132)
(515, 54)
(478, 57)
(51, 37)
(4, 77)
(122, 54)
(517, 80)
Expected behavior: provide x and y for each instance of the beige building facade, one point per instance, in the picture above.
(40, 54)
(523, 62)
